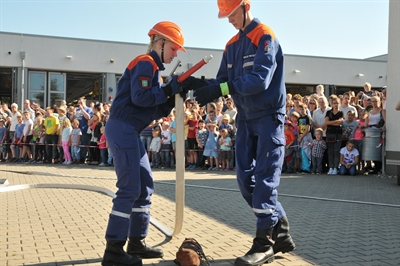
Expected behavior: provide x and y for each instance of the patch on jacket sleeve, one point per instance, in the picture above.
(266, 46)
(144, 82)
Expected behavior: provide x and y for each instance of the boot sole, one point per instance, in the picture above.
(106, 263)
(144, 256)
(240, 263)
(285, 249)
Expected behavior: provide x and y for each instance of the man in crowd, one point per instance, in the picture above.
(83, 113)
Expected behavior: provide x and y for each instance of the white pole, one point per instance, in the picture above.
(180, 165)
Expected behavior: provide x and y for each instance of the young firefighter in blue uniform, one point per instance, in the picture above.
(140, 99)
(252, 72)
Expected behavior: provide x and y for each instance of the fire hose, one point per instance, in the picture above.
(180, 148)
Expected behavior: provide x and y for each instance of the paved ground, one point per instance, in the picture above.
(335, 220)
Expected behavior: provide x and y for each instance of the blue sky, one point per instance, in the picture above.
(337, 28)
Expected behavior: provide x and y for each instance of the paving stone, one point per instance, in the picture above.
(66, 226)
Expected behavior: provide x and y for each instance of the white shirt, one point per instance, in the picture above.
(65, 133)
(346, 109)
(349, 156)
(166, 136)
(373, 119)
(28, 125)
(319, 117)
(14, 121)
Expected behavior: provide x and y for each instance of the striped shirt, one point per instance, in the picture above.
(318, 148)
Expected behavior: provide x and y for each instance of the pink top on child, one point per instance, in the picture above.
(358, 135)
(102, 146)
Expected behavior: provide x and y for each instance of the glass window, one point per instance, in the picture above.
(37, 81)
(37, 97)
(57, 82)
(56, 98)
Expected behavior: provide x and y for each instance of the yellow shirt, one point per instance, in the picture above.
(51, 124)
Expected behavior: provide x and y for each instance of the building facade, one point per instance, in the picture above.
(48, 69)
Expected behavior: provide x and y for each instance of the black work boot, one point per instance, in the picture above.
(114, 255)
(261, 252)
(137, 247)
(283, 240)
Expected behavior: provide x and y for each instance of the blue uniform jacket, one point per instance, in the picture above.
(140, 98)
(253, 61)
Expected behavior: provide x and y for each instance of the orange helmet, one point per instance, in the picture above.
(170, 31)
(227, 7)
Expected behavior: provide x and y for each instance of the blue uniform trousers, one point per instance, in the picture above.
(130, 215)
(259, 157)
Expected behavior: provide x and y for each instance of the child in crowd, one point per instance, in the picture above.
(211, 148)
(41, 155)
(296, 150)
(74, 141)
(172, 129)
(186, 132)
(61, 117)
(349, 127)
(193, 124)
(304, 138)
(201, 138)
(109, 153)
(102, 142)
(318, 146)
(211, 118)
(289, 151)
(3, 133)
(166, 145)
(359, 135)
(26, 137)
(15, 147)
(35, 138)
(349, 158)
(225, 145)
(155, 147)
(66, 132)
(225, 125)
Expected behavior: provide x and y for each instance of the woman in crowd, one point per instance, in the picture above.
(375, 119)
(312, 105)
(333, 121)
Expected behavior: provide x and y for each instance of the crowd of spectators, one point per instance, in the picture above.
(56, 134)
(323, 135)
(327, 133)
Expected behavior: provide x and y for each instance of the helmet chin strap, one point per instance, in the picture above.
(162, 50)
(244, 15)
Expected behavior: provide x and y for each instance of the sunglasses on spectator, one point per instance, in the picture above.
(311, 103)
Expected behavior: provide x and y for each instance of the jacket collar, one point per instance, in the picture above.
(157, 59)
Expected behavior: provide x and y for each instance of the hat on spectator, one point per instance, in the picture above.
(287, 122)
(227, 117)
(61, 109)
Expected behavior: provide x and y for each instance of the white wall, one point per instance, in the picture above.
(393, 91)
(45, 52)
(337, 71)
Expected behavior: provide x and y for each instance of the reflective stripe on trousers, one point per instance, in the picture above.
(130, 214)
(259, 156)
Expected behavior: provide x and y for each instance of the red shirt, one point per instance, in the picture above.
(192, 132)
(289, 136)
